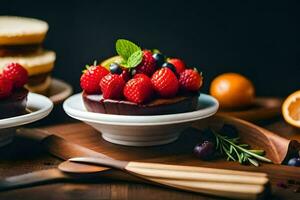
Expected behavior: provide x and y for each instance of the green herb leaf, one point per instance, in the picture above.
(259, 152)
(217, 142)
(235, 140)
(244, 145)
(230, 149)
(234, 151)
(125, 48)
(238, 155)
(155, 51)
(253, 162)
(135, 59)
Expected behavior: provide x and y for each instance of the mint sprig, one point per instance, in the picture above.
(155, 51)
(135, 59)
(131, 53)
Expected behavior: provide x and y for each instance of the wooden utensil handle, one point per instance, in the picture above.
(56, 145)
(198, 176)
(36, 135)
(33, 178)
(224, 183)
(193, 169)
(244, 185)
(228, 190)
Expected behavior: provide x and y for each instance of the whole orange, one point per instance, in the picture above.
(232, 90)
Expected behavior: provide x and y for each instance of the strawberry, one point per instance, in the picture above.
(165, 82)
(112, 86)
(178, 64)
(148, 64)
(16, 73)
(140, 76)
(91, 78)
(6, 87)
(190, 80)
(139, 89)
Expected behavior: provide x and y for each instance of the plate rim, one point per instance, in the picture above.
(29, 117)
(63, 95)
(138, 120)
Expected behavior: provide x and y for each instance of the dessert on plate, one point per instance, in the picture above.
(21, 41)
(13, 95)
(140, 82)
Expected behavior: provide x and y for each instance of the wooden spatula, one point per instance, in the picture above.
(277, 148)
(224, 183)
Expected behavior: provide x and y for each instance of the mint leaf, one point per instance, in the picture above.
(125, 48)
(134, 59)
(155, 51)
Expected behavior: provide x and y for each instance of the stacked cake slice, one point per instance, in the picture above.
(21, 41)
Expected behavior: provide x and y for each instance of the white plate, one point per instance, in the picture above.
(140, 130)
(39, 107)
(59, 91)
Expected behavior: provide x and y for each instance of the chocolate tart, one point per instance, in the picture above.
(178, 104)
(15, 104)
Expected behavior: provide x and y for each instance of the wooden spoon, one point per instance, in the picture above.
(277, 148)
(224, 183)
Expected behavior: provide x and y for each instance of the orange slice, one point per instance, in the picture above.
(107, 62)
(291, 109)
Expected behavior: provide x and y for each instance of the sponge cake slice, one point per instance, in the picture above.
(35, 64)
(39, 67)
(21, 30)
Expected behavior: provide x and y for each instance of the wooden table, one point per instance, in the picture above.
(22, 157)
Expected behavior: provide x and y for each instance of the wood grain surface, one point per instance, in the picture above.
(23, 156)
(263, 108)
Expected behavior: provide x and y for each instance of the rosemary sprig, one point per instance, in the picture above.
(238, 152)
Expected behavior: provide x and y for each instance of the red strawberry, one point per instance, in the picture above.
(139, 89)
(165, 82)
(112, 86)
(16, 73)
(147, 66)
(6, 87)
(140, 76)
(91, 78)
(190, 80)
(178, 64)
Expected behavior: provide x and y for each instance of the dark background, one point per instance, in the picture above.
(256, 38)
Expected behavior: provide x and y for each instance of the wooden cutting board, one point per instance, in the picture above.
(19, 159)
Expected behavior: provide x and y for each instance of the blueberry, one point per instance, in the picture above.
(170, 66)
(205, 150)
(159, 59)
(229, 131)
(115, 68)
(294, 162)
(133, 72)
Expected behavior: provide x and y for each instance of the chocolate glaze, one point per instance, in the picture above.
(178, 104)
(14, 105)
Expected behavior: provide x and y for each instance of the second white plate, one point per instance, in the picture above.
(140, 130)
